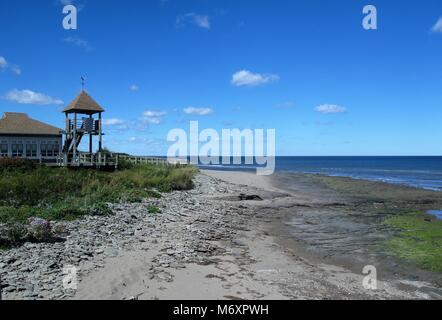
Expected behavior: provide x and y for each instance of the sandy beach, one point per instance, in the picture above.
(228, 238)
(257, 262)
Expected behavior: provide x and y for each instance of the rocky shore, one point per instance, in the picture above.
(191, 226)
(212, 242)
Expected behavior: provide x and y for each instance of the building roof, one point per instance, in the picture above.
(14, 123)
(83, 104)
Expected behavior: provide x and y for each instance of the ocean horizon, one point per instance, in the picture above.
(423, 172)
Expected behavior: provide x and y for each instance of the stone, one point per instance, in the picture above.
(243, 196)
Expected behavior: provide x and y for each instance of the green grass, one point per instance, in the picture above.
(62, 194)
(153, 210)
(419, 239)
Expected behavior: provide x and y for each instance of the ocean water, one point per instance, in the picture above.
(436, 213)
(420, 172)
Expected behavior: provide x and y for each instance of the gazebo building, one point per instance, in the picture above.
(83, 119)
(23, 137)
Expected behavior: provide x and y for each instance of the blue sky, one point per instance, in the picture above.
(306, 68)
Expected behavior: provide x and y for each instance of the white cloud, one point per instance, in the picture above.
(79, 43)
(202, 21)
(116, 124)
(3, 63)
(150, 113)
(16, 69)
(134, 87)
(31, 97)
(438, 26)
(6, 65)
(113, 122)
(198, 111)
(153, 117)
(155, 121)
(141, 140)
(330, 108)
(250, 79)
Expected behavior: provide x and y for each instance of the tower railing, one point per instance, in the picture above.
(84, 125)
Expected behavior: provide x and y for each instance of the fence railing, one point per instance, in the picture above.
(112, 159)
(87, 160)
(84, 125)
(151, 160)
(97, 158)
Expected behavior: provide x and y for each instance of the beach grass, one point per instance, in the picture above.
(153, 210)
(418, 239)
(63, 194)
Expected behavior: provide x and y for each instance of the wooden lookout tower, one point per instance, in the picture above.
(83, 119)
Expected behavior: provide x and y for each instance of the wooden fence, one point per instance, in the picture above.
(151, 160)
(84, 159)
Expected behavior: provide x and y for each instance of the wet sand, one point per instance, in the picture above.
(324, 225)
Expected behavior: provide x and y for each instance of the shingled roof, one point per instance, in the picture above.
(83, 104)
(14, 123)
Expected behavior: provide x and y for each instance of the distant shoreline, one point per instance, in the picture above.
(423, 172)
(227, 169)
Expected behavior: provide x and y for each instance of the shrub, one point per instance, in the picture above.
(63, 194)
(100, 209)
(153, 194)
(133, 196)
(181, 179)
(106, 151)
(153, 210)
(12, 234)
(59, 230)
(124, 164)
(63, 211)
(16, 164)
(40, 229)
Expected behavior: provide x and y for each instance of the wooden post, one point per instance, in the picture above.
(68, 130)
(68, 133)
(75, 136)
(90, 136)
(100, 144)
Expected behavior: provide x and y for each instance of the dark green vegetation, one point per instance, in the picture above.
(382, 192)
(417, 237)
(27, 190)
(153, 210)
